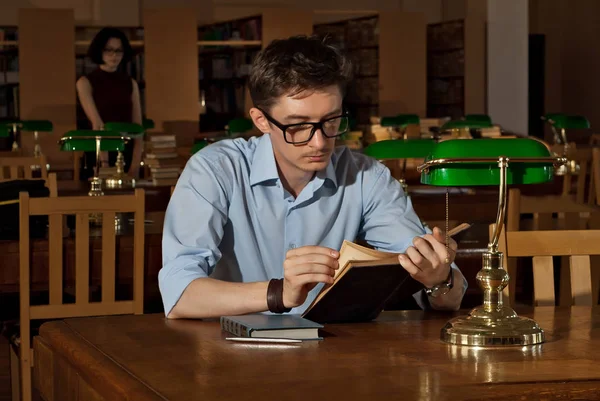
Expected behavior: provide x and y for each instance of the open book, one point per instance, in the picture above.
(363, 283)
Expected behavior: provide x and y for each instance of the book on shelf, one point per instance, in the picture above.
(365, 280)
(287, 326)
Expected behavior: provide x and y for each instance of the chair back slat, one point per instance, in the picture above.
(108, 257)
(138, 255)
(55, 253)
(543, 281)
(581, 280)
(82, 259)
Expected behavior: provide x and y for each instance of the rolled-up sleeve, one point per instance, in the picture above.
(390, 222)
(193, 227)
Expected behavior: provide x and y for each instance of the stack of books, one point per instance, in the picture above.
(162, 159)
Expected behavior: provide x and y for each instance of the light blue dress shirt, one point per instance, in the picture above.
(230, 217)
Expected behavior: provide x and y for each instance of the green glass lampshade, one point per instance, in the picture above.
(239, 126)
(400, 149)
(475, 162)
(36, 125)
(564, 121)
(85, 141)
(132, 129)
(148, 123)
(199, 145)
(4, 131)
(466, 124)
(484, 118)
(400, 121)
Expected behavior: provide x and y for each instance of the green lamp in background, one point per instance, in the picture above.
(466, 125)
(93, 141)
(35, 126)
(483, 118)
(148, 123)
(239, 126)
(491, 162)
(400, 122)
(400, 149)
(13, 126)
(201, 144)
(121, 179)
(560, 123)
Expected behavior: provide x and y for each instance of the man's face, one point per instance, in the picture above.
(307, 106)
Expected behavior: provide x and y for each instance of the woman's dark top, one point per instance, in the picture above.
(112, 95)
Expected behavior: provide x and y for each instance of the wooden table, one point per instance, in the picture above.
(399, 356)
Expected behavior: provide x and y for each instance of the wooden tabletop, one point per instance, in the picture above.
(399, 356)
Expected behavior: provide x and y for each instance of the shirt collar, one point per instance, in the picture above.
(264, 167)
(263, 162)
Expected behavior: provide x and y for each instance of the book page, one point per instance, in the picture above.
(351, 251)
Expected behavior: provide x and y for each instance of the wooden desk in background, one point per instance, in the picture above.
(399, 356)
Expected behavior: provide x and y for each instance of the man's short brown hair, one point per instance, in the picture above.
(299, 63)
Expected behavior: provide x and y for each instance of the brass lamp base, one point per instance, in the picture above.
(119, 181)
(491, 328)
(492, 324)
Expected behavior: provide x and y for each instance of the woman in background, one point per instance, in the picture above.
(109, 94)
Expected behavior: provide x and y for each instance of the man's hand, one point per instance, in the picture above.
(303, 269)
(428, 261)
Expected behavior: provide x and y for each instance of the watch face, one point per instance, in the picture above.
(441, 290)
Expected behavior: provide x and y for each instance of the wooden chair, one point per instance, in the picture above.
(21, 167)
(570, 215)
(577, 245)
(82, 207)
(583, 178)
(596, 174)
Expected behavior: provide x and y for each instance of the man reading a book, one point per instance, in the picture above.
(255, 225)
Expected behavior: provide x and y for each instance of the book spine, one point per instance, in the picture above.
(234, 328)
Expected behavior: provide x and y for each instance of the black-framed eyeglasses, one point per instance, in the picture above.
(300, 133)
(110, 50)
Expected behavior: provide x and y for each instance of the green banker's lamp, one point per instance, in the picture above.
(122, 179)
(560, 123)
(148, 123)
(239, 126)
(490, 162)
(400, 149)
(400, 122)
(93, 141)
(467, 125)
(35, 126)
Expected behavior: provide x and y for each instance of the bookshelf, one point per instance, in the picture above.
(225, 54)
(359, 37)
(389, 55)
(9, 73)
(456, 72)
(446, 69)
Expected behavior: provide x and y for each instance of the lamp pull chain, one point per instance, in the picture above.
(447, 237)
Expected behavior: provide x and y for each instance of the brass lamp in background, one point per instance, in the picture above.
(121, 179)
(458, 162)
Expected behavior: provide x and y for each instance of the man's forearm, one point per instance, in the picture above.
(453, 299)
(207, 297)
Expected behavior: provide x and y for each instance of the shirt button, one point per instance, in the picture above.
(292, 246)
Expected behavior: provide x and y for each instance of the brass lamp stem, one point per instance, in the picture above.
(493, 245)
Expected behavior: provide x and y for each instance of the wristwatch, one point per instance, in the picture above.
(442, 288)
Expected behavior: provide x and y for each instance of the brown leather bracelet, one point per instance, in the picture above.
(275, 296)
